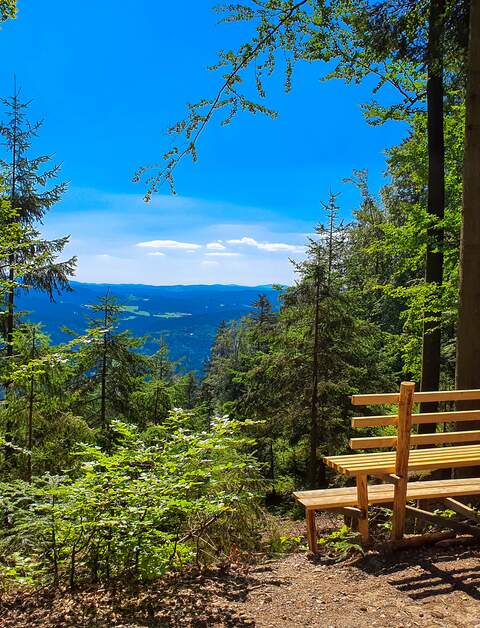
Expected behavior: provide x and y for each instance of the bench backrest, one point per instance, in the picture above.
(405, 418)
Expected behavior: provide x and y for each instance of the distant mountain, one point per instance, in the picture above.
(187, 316)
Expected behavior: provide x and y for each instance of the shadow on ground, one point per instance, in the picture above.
(427, 573)
(199, 599)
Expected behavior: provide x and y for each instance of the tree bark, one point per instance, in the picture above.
(103, 382)
(10, 322)
(468, 336)
(432, 335)
(31, 398)
(314, 436)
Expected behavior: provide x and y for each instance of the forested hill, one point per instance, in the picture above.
(187, 316)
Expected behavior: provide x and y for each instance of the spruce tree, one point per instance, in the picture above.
(27, 188)
(153, 400)
(109, 369)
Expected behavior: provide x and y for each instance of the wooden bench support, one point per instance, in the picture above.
(362, 499)
(444, 522)
(311, 531)
(419, 540)
(462, 509)
(350, 511)
(405, 406)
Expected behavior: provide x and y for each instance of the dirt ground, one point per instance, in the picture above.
(433, 587)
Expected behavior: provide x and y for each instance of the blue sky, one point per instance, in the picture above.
(109, 77)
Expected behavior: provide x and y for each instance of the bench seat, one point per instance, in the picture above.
(333, 498)
(419, 460)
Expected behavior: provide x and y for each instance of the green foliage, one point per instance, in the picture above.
(281, 544)
(339, 545)
(103, 477)
(137, 511)
(445, 512)
(8, 9)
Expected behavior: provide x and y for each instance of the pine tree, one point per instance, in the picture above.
(109, 369)
(263, 321)
(26, 179)
(152, 402)
(38, 417)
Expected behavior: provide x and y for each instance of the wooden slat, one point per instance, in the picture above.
(450, 452)
(447, 395)
(375, 399)
(359, 467)
(426, 465)
(333, 498)
(420, 460)
(417, 419)
(436, 438)
(417, 455)
(378, 399)
(375, 421)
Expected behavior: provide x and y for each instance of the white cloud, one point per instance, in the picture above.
(209, 262)
(106, 257)
(169, 244)
(247, 241)
(222, 254)
(268, 246)
(157, 253)
(216, 246)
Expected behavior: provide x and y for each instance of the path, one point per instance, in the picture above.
(438, 587)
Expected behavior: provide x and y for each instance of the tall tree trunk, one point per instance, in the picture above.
(13, 204)
(314, 432)
(103, 381)
(30, 416)
(272, 465)
(155, 409)
(468, 337)
(10, 306)
(30, 429)
(431, 341)
(11, 278)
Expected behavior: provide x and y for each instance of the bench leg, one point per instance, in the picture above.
(399, 510)
(362, 498)
(311, 531)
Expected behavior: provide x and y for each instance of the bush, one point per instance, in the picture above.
(154, 503)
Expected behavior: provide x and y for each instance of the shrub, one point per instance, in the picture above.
(153, 503)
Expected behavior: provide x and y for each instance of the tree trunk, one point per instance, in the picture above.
(103, 382)
(272, 465)
(431, 341)
(31, 397)
(30, 429)
(313, 461)
(468, 337)
(155, 409)
(11, 278)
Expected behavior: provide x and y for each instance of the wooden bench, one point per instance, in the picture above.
(393, 467)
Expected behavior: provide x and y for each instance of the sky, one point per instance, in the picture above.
(108, 78)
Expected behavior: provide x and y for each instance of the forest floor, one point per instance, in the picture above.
(437, 586)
